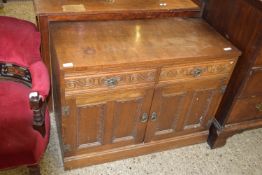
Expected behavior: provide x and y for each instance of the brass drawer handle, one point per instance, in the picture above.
(111, 82)
(154, 116)
(197, 72)
(144, 118)
(259, 107)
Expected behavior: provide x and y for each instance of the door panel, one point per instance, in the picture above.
(108, 120)
(198, 108)
(184, 107)
(126, 119)
(90, 120)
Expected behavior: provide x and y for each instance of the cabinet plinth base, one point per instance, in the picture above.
(133, 150)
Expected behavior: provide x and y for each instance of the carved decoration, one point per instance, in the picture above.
(99, 81)
(182, 72)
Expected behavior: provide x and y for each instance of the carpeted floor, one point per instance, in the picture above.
(242, 154)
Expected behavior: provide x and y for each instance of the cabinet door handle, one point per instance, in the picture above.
(144, 118)
(197, 72)
(259, 107)
(154, 116)
(111, 82)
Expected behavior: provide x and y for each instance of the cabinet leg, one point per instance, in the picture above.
(216, 138)
(34, 170)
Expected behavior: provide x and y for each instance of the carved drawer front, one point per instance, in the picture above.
(246, 109)
(253, 85)
(192, 71)
(77, 82)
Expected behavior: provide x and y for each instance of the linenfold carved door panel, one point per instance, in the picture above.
(183, 107)
(109, 119)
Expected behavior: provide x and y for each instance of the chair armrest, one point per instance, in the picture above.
(40, 79)
(39, 108)
(39, 92)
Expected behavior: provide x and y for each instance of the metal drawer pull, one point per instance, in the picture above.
(111, 82)
(144, 118)
(154, 116)
(197, 72)
(259, 107)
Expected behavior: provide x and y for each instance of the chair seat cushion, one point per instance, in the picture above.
(20, 144)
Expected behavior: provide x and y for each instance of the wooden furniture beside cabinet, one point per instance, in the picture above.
(241, 108)
(124, 88)
(48, 11)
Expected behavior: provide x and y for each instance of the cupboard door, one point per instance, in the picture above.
(184, 107)
(107, 120)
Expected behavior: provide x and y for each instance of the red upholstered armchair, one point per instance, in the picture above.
(24, 86)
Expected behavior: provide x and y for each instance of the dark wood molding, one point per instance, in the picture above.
(218, 135)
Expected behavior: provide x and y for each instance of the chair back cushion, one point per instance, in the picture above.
(19, 41)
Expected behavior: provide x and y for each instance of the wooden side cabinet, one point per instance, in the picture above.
(240, 108)
(136, 86)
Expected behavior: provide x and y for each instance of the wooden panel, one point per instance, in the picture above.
(192, 71)
(90, 125)
(126, 119)
(87, 159)
(133, 42)
(107, 6)
(104, 121)
(253, 85)
(258, 62)
(171, 113)
(69, 126)
(198, 108)
(184, 107)
(246, 109)
(84, 82)
(241, 22)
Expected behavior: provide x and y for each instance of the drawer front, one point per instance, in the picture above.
(246, 109)
(77, 82)
(182, 72)
(253, 85)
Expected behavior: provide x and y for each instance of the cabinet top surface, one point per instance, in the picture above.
(99, 43)
(48, 7)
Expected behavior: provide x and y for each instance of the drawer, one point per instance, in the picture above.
(182, 72)
(246, 109)
(77, 82)
(253, 85)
